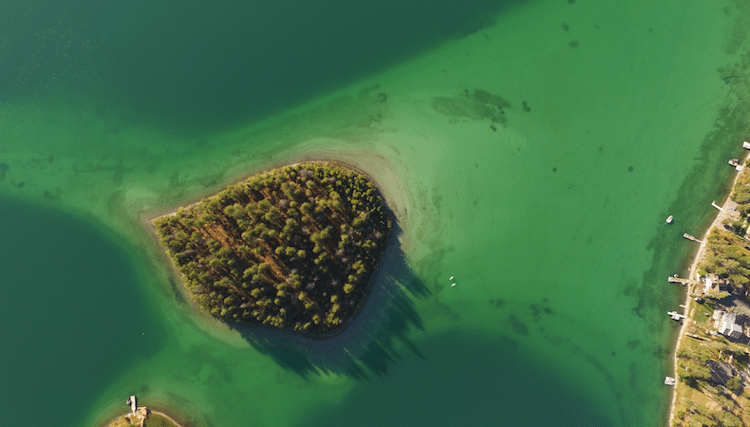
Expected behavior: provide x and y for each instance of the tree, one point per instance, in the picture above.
(734, 383)
(307, 208)
(217, 264)
(273, 215)
(264, 205)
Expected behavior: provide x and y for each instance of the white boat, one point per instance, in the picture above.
(669, 219)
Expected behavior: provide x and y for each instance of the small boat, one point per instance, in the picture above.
(669, 219)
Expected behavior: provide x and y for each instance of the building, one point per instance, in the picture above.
(728, 326)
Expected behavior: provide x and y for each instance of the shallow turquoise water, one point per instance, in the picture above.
(552, 224)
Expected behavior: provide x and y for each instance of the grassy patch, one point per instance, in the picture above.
(156, 420)
(703, 312)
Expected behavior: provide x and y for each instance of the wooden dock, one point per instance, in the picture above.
(675, 279)
(676, 316)
(132, 403)
(691, 237)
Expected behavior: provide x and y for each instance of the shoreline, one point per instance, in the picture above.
(688, 302)
(359, 160)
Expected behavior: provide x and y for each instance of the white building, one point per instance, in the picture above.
(728, 325)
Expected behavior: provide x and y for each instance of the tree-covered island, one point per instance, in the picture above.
(293, 248)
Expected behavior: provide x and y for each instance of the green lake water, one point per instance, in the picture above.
(549, 217)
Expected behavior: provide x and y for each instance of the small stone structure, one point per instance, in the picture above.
(139, 417)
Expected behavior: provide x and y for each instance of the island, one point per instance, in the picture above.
(712, 356)
(293, 248)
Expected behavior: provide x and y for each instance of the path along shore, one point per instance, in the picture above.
(688, 304)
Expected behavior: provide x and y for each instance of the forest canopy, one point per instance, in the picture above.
(293, 248)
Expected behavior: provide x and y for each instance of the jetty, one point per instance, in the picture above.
(716, 206)
(675, 279)
(691, 237)
(736, 164)
(676, 316)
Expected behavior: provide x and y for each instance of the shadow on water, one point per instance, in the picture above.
(465, 379)
(369, 344)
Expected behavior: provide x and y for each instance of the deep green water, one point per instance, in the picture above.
(73, 317)
(552, 223)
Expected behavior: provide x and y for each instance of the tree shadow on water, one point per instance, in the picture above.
(368, 344)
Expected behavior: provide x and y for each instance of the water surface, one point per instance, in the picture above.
(549, 214)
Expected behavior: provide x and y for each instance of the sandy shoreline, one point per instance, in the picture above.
(687, 304)
(376, 167)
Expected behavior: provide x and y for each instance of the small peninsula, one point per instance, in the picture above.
(293, 248)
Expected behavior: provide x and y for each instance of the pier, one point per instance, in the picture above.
(716, 206)
(691, 237)
(736, 163)
(676, 316)
(675, 279)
